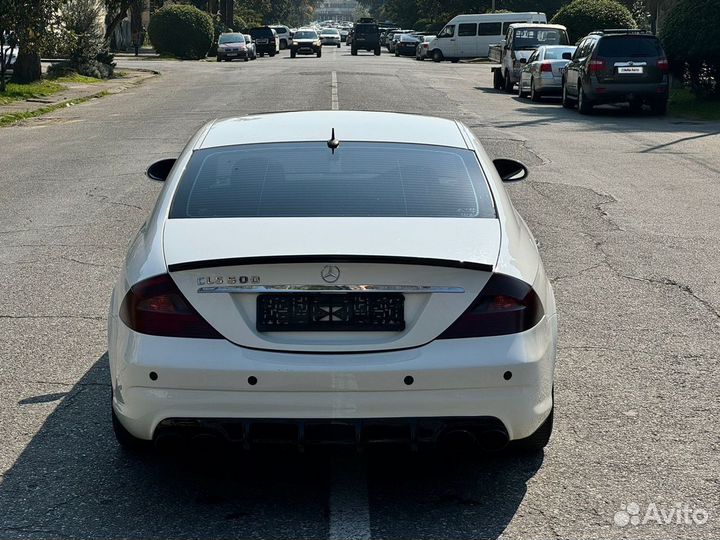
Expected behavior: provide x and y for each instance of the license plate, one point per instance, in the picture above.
(330, 312)
(630, 70)
(261, 41)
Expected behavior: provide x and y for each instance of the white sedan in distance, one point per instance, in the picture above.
(330, 36)
(333, 277)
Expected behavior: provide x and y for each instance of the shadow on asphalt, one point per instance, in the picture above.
(72, 480)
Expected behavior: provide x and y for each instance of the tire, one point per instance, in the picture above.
(455, 60)
(292, 53)
(534, 94)
(272, 54)
(659, 106)
(583, 104)
(283, 44)
(319, 53)
(396, 53)
(338, 45)
(127, 441)
(219, 59)
(262, 54)
(247, 58)
(507, 83)
(377, 51)
(521, 94)
(497, 80)
(353, 51)
(566, 102)
(539, 439)
(437, 56)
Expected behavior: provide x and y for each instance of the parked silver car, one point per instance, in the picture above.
(421, 53)
(542, 73)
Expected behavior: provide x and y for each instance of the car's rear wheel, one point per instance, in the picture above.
(539, 439)
(497, 80)
(659, 106)
(353, 51)
(125, 439)
(507, 83)
(338, 45)
(262, 54)
(437, 55)
(219, 59)
(455, 60)
(584, 104)
(534, 94)
(247, 58)
(292, 53)
(397, 53)
(377, 51)
(272, 54)
(319, 53)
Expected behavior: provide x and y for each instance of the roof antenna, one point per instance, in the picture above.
(333, 143)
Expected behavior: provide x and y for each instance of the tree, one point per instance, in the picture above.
(583, 16)
(691, 45)
(30, 20)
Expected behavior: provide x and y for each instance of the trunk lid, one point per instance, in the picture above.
(434, 267)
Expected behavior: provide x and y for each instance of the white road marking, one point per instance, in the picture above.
(334, 93)
(349, 511)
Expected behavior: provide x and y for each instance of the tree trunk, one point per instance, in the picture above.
(27, 67)
(122, 13)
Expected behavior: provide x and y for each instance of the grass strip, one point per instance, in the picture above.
(12, 118)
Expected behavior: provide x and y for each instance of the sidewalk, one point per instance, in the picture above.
(74, 92)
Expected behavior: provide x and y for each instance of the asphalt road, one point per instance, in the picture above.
(625, 210)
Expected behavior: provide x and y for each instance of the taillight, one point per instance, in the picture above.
(596, 64)
(546, 66)
(663, 65)
(156, 306)
(506, 305)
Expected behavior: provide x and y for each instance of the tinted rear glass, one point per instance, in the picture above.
(261, 32)
(490, 29)
(307, 180)
(629, 46)
(366, 29)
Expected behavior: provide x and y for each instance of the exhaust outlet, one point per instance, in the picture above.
(493, 440)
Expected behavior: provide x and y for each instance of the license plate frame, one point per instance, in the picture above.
(334, 312)
(631, 70)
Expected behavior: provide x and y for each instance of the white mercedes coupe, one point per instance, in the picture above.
(333, 277)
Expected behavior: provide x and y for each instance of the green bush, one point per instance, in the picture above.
(583, 16)
(691, 44)
(182, 31)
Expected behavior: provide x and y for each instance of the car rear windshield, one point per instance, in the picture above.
(629, 47)
(365, 29)
(261, 32)
(308, 180)
(532, 38)
(231, 38)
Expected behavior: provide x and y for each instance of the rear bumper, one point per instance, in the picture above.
(612, 93)
(211, 379)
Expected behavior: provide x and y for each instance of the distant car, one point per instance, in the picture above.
(266, 40)
(616, 66)
(407, 45)
(392, 44)
(366, 36)
(423, 48)
(344, 31)
(330, 36)
(543, 71)
(231, 45)
(283, 33)
(10, 53)
(305, 41)
(250, 44)
(333, 277)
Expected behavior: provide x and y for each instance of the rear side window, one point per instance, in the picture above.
(307, 180)
(467, 30)
(261, 33)
(490, 29)
(630, 47)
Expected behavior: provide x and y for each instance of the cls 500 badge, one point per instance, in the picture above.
(227, 280)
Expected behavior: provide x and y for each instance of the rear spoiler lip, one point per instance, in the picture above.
(290, 259)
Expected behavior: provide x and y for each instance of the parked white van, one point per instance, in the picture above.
(470, 36)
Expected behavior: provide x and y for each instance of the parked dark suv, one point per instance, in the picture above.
(366, 35)
(266, 40)
(616, 66)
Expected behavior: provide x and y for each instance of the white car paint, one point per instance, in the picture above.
(312, 375)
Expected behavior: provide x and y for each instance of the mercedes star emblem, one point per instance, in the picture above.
(330, 274)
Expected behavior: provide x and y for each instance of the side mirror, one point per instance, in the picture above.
(523, 60)
(510, 170)
(159, 170)
(567, 56)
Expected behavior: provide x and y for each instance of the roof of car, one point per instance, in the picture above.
(348, 126)
(540, 25)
